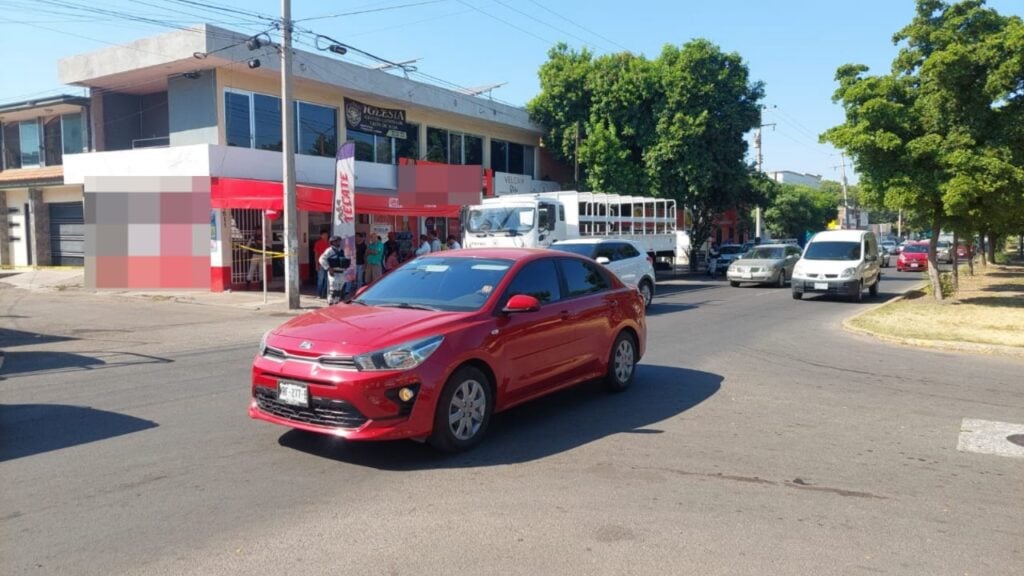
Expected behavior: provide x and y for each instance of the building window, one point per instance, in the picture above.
(12, 146)
(317, 129)
(29, 136)
(511, 157)
(71, 133)
(267, 122)
(454, 147)
(53, 152)
(238, 119)
(254, 121)
(385, 149)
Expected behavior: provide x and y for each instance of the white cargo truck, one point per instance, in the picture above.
(539, 220)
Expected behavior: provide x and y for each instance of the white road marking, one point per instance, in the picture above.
(988, 437)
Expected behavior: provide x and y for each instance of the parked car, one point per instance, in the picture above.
(434, 348)
(727, 253)
(765, 264)
(883, 257)
(943, 252)
(913, 257)
(964, 252)
(623, 257)
(890, 247)
(841, 262)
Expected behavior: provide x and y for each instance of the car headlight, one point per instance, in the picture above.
(798, 270)
(848, 273)
(401, 357)
(263, 343)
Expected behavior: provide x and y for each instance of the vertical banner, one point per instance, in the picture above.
(343, 217)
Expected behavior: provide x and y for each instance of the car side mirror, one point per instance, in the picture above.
(521, 303)
(603, 260)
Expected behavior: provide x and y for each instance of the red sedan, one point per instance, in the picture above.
(433, 349)
(913, 257)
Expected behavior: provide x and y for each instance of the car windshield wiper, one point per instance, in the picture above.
(408, 306)
(360, 302)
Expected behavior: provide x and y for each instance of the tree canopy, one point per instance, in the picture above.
(941, 135)
(672, 127)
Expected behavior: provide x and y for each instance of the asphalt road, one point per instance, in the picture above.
(759, 438)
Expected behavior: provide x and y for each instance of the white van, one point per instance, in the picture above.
(838, 262)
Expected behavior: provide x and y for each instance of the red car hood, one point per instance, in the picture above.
(348, 329)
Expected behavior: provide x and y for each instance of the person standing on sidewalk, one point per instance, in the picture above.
(319, 248)
(424, 245)
(374, 258)
(334, 261)
(391, 248)
(360, 259)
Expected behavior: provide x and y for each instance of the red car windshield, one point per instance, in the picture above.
(438, 283)
(915, 249)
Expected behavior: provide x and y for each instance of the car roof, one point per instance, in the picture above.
(585, 241)
(775, 246)
(839, 235)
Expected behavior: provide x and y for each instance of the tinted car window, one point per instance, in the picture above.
(833, 251)
(581, 249)
(916, 248)
(455, 284)
(628, 251)
(606, 250)
(792, 251)
(538, 279)
(582, 278)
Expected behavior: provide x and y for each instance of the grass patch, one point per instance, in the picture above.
(988, 310)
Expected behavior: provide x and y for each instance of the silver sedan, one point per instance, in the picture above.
(765, 264)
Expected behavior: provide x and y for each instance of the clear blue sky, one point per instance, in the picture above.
(794, 46)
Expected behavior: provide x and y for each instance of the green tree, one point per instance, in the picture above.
(671, 127)
(797, 209)
(927, 137)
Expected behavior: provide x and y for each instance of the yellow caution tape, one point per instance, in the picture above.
(269, 253)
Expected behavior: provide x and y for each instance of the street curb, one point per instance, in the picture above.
(944, 345)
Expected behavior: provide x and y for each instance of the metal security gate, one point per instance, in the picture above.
(246, 243)
(67, 234)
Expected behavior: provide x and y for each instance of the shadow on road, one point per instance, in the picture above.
(20, 363)
(995, 301)
(10, 338)
(29, 429)
(657, 308)
(551, 425)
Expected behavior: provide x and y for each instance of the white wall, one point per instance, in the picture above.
(224, 161)
(16, 198)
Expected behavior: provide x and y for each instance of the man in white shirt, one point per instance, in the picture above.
(424, 246)
(453, 244)
(435, 242)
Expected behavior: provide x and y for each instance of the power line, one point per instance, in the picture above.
(370, 10)
(535, 19)
(580, 26)
(507, 23)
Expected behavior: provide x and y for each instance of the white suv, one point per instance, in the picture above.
(623, 257)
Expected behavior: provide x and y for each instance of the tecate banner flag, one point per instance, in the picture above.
(343, 221)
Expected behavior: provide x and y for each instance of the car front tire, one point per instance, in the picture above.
(647, 292)
(874, 287)
(621, 363)
(463, 411)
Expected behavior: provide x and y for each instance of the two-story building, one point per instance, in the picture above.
(186, 172)
(41, 216)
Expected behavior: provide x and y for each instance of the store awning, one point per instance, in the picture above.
(267, 195)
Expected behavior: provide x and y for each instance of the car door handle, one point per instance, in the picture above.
(565, 315)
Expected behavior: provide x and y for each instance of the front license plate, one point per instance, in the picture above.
(821, 285)
(746, 275)
(293, 393)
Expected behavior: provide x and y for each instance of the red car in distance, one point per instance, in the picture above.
(433, 349)
(913, 257)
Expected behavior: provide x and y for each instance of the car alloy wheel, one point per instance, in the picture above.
(463, 411)
(781, 282)
(646, 293)
(622, 364)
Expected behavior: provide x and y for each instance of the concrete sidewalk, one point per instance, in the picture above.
(72, 280)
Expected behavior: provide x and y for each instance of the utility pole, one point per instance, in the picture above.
(899, 224)
(846, 203)
(576, 158)
(291, 233)
(760, 169)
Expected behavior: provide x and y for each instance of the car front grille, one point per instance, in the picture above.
(340, 362)
(321, 411)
